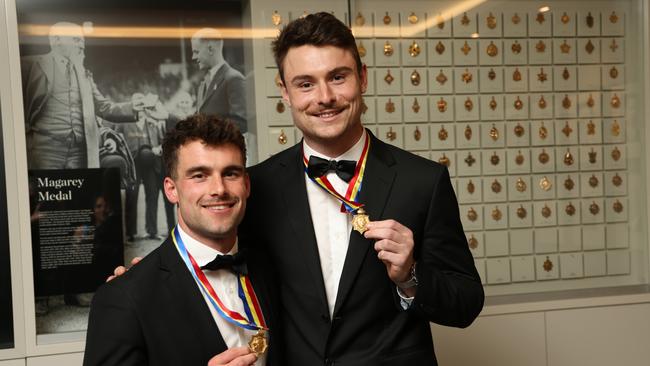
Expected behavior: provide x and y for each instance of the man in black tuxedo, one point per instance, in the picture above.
(159, 313)
(351, 298)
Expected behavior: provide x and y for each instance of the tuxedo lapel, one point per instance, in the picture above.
(217, 79)
(376, 186)
(188, 299)
(294, 195)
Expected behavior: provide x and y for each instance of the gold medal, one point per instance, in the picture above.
(516, 76)
(391, 135)
(594, 208)
(282, 139)
(468, 132)
(494, 133)
(442, 105)
(360, 20)
(416, 106)
(519, 159)
(548, 265)
(546, 211)
(388, 49)
(388, 78)
(545, 184)
(440, 48)
(613, 18)
(613, 46)
(444, 160)
(440, 22)
(276, 18)
(570, 209)
(542, 76)
(613, 72)
(518, 104)
(360, 221)
(472, 242)
(565, 18)
(542, 102)
(361, 49)
(414, 49)
(472, 215)
(469, 105)
(467, 76)
(589, 47)
(491, 21)
(616, 101)
(590, 101)
(390, 106)
(417, 135)
(496, 186)
(492, 74)
(567, 129)
(540, 46)
(566, 102)
(616, 153)
(591, 128)
(415, 78)
(519, 130)
(564, 47)
(565, 74)
(569, 183)
(412, 18)
(521, 212)
(493, 104)
(590, 20)
(466, 48)
(516, 19)
(543, 157)
(492, 49)
(387, 19)
(592, 156)
(469, 160)
(540, 18)
(618, 206)
(470, 186)
(464, 20)
(442, 134)
(616, 128)
(258, 343)
(495, 159)
(593, 181)
(279, 107)
(496, 214)
(568, 158)
(520, 185)
(617, 180)
(516, 48)
(441, 78)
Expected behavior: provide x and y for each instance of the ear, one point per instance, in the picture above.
(170, 190)
(364, 78)
(285, 93)
(247, 182)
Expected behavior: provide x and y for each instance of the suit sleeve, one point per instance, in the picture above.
(449, 288)
(114, 334)
(110, 111)
(34, 90)
(236, 93)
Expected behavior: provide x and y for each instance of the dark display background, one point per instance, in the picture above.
(6, 313)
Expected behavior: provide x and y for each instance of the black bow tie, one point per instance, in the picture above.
(318, 167)
(235, 263)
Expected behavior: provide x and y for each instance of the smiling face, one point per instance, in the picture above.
(323, 87)
(211, 187)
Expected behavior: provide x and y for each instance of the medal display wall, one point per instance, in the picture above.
(530, 111)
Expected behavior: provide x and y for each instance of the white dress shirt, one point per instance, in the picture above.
(331, 226)
(224, 283)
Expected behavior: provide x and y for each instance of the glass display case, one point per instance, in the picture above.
(6, 293)
(535, 108)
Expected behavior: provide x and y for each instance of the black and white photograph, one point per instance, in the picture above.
(102, 82)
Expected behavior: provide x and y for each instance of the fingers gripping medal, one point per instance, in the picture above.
(350, 201)
(258, 343)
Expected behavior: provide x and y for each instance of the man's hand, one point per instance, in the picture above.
(238, 356)
(394, 246)
(157, 111)
(157, 150)
(122, 270)
(109, 146)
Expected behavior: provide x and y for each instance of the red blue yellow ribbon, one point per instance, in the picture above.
(254, 319)
(349, 201)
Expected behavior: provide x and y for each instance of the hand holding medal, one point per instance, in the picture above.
(234, 356)
(394, 246)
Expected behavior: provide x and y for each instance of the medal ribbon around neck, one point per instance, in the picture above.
(255, 319)
(349, 202)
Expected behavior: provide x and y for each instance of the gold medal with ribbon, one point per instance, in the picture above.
(349, 202)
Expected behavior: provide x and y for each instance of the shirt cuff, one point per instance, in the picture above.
(406, 302)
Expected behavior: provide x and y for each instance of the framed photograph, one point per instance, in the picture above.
(102, 83)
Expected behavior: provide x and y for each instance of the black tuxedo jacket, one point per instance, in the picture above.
(368, 327)
(155, 315)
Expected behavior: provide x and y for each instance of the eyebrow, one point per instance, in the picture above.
(338, 70)
(204, 168)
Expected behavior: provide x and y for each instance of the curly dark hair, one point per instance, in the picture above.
(318, 29)
(210, 130)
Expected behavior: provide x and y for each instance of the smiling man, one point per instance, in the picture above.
(355, 292)
(201, 293)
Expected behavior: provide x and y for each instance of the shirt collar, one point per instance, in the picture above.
(354, 153)
(213, 71)
(202, 253)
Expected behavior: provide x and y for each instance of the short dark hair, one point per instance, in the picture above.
(210, 130)
(318, 29)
